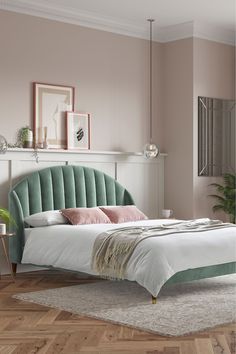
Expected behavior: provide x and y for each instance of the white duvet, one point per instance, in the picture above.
(153, 262)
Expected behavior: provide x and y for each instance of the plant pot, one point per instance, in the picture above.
(28, 138)
(3, 229)
(28, 144)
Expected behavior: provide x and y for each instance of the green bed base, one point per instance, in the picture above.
(69, 186)
(201, 273)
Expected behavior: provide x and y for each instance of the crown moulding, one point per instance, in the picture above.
(114, 25)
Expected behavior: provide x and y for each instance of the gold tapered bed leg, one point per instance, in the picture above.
(154, 300)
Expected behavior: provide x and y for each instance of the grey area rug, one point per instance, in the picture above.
(180, 309)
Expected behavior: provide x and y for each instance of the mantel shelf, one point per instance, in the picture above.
(88, 152)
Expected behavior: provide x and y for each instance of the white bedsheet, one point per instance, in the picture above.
(27, 232)
(153, 262)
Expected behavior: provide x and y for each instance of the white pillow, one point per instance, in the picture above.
(46, 218)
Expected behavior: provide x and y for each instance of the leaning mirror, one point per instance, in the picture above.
(216, 136)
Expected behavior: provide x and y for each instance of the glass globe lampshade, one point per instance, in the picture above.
(150, 151)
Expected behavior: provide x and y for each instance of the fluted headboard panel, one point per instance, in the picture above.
(60, 187)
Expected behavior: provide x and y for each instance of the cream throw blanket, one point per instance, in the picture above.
(113, 249)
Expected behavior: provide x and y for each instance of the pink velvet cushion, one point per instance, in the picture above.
(119, 214)
(82, 216)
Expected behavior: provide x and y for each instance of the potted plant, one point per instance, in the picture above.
(6, 217)
(25, 137)
(227, 196)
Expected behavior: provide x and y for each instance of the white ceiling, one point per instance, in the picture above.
(129, 16)
(166, 12)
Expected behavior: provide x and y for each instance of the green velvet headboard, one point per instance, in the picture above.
(60, 187)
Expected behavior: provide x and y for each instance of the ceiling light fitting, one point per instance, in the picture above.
(150, 149)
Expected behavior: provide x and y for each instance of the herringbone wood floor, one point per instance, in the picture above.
(27, 328)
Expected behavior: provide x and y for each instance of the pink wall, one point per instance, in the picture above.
(111, 76)
(214, 76)
(178, 126)
(110, 73)
(192, 68)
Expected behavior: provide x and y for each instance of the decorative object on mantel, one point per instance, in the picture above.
(3, 145)
(45, 137)
(150, 149)
(50, 104)
(25, 137)
(78, 130)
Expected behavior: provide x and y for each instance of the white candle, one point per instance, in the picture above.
(45, 133)
(2, 229)
(40, 135)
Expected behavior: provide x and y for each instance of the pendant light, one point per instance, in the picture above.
(150, 149)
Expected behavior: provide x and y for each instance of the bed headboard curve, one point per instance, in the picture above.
(57, 188)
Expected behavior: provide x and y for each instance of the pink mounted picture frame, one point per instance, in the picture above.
(78, 131)
(51, 102)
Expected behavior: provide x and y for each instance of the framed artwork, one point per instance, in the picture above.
(50, 104)
(78, 130)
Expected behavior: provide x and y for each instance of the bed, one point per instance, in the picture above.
(69, 186)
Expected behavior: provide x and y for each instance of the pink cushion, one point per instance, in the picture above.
(81, 216)
(119, 214)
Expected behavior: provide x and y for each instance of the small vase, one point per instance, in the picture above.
(45, 140)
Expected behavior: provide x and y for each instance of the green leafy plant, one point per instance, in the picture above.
(6, 217)
(227, 196)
